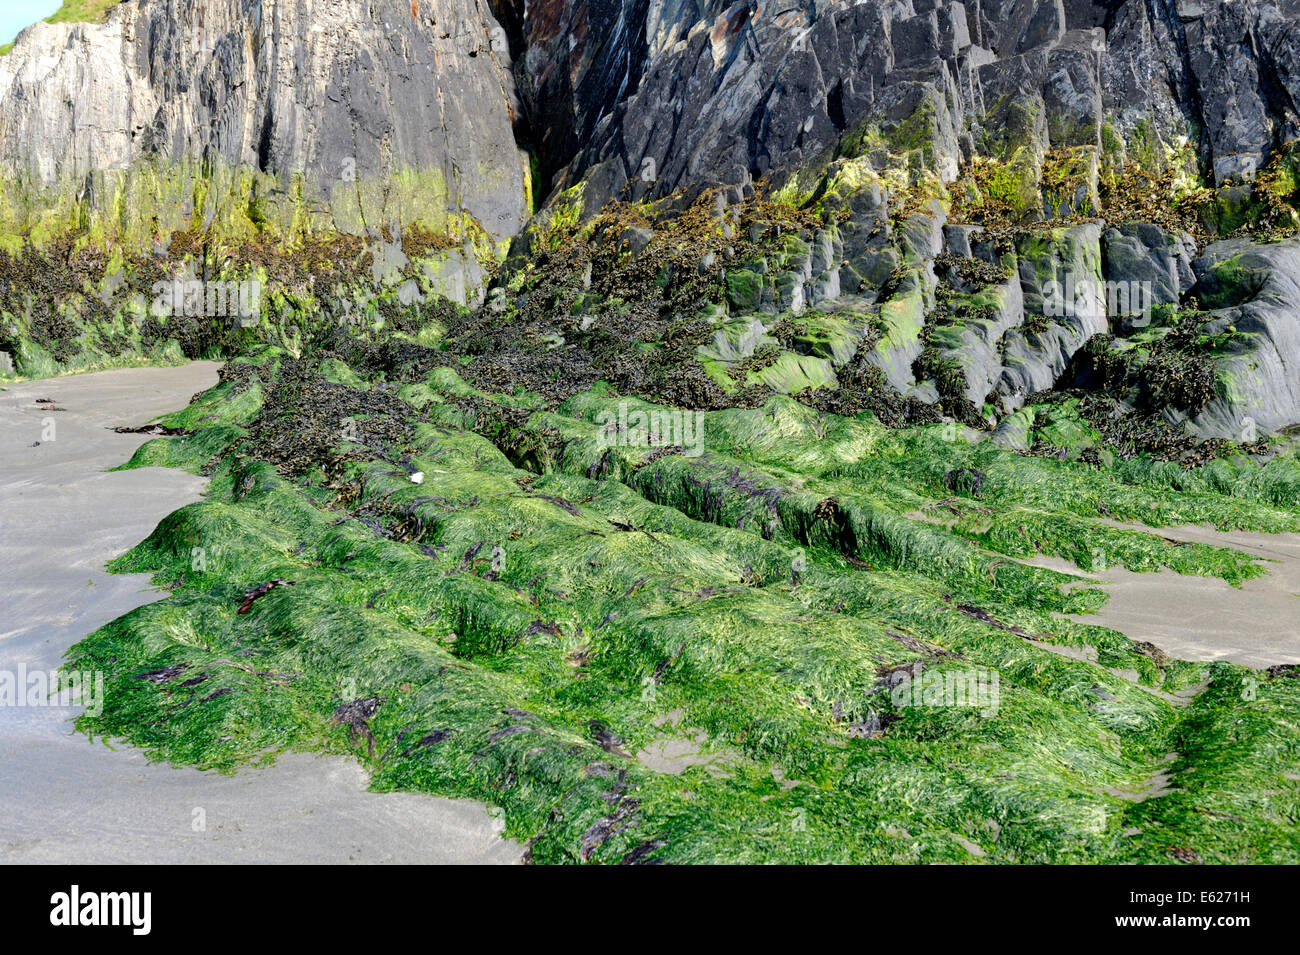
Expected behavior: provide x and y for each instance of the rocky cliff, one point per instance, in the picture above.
(632, 96)
(1002, 132)
(976, 203)
(354, 114)
(666, 94)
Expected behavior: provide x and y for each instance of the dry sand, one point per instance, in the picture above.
(64, 799)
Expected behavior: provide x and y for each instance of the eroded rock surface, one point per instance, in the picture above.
(388, 111)
(649, 97)
(1019, 137)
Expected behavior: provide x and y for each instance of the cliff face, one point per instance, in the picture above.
(386, 110)
(730, 91)
(1041, 142)
(638, 97)
(641, 101)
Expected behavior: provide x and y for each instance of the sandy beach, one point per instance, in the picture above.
(1206, 618)
(64, 799)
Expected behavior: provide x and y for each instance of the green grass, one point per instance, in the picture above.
(82, 11)
(74, 11)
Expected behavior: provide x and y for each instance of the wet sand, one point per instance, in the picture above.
(64, 799)
(1204, 618)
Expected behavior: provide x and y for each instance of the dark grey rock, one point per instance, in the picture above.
(957, 239)
(635, 238)
(1255, 291)
(1148, 266)
(348, 96)
(1059, 273)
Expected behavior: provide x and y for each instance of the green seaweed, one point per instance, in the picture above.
(554, 596)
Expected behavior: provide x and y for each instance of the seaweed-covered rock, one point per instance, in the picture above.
(1060, 277)
(791, 594)
(972, 336)
(1254, 293)
(1150, 265)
